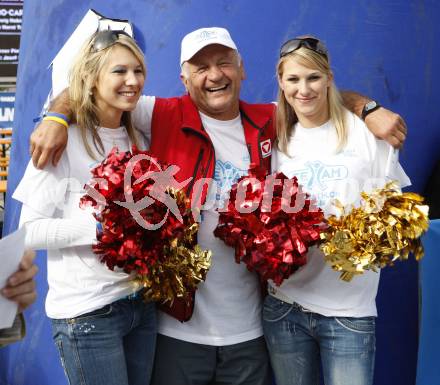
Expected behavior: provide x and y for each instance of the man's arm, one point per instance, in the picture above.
(49, 139)
(383, 123)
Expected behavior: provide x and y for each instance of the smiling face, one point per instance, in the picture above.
(305, 89)
(213, 78)
(118, 86)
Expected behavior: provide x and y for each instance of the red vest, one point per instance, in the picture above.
(178, 138)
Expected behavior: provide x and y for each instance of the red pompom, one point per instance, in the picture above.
(271, 224)
(147, 224)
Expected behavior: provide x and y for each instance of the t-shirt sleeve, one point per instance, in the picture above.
(56, 233)
(43, 196)
(43, 190)
(386, 164)
(142, 116)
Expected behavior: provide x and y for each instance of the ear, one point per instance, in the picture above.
(184, 81)
(242, 71)
(330, 78)
(280, 83)
(92, 87)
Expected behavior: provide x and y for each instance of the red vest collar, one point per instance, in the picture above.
(191, 117)
(256, 117)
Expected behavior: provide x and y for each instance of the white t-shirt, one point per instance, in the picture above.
(78, 281)
(228, 304)
(328, 175)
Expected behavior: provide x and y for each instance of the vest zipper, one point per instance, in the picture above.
(191, 184)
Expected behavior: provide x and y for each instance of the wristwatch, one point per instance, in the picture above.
(369, 108)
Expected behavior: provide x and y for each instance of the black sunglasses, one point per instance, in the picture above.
(105, 39)
(309, 42)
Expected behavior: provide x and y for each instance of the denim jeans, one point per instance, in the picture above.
(113, 345)
(300, 343)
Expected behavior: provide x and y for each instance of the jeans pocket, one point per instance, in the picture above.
(274, 309)
(101, 312)
(357, 325)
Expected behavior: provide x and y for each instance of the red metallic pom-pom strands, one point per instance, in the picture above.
(147, 224)
(271, 224)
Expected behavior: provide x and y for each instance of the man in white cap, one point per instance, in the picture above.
(210, 133)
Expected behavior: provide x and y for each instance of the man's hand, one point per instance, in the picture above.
(49, 139)
(383, 123)
(388, 126)
(47, 143)
(20, 286)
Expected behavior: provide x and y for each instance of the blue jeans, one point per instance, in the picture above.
(300, 343)
(113, 345)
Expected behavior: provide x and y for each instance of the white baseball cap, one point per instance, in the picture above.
(194, 41)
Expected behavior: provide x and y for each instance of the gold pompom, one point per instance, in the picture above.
(182, 265)
(386, 227)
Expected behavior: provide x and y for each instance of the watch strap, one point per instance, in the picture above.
(369, 108)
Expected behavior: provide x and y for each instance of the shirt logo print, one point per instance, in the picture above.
(317, 174)
(226, 174)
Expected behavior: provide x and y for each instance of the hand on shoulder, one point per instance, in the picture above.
(47, 143)
(387, 125)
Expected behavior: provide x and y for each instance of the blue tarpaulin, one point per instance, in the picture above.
(428, 370)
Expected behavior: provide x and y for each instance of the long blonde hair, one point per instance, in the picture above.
(285, 114)
(82, 80)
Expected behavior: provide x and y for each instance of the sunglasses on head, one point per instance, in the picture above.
(309, 42)
(107, 38)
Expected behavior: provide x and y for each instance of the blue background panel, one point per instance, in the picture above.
(385, 49)
(428, 371)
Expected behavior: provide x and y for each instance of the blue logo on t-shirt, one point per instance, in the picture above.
(316, 177)
(317, 174)
(225, 175)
